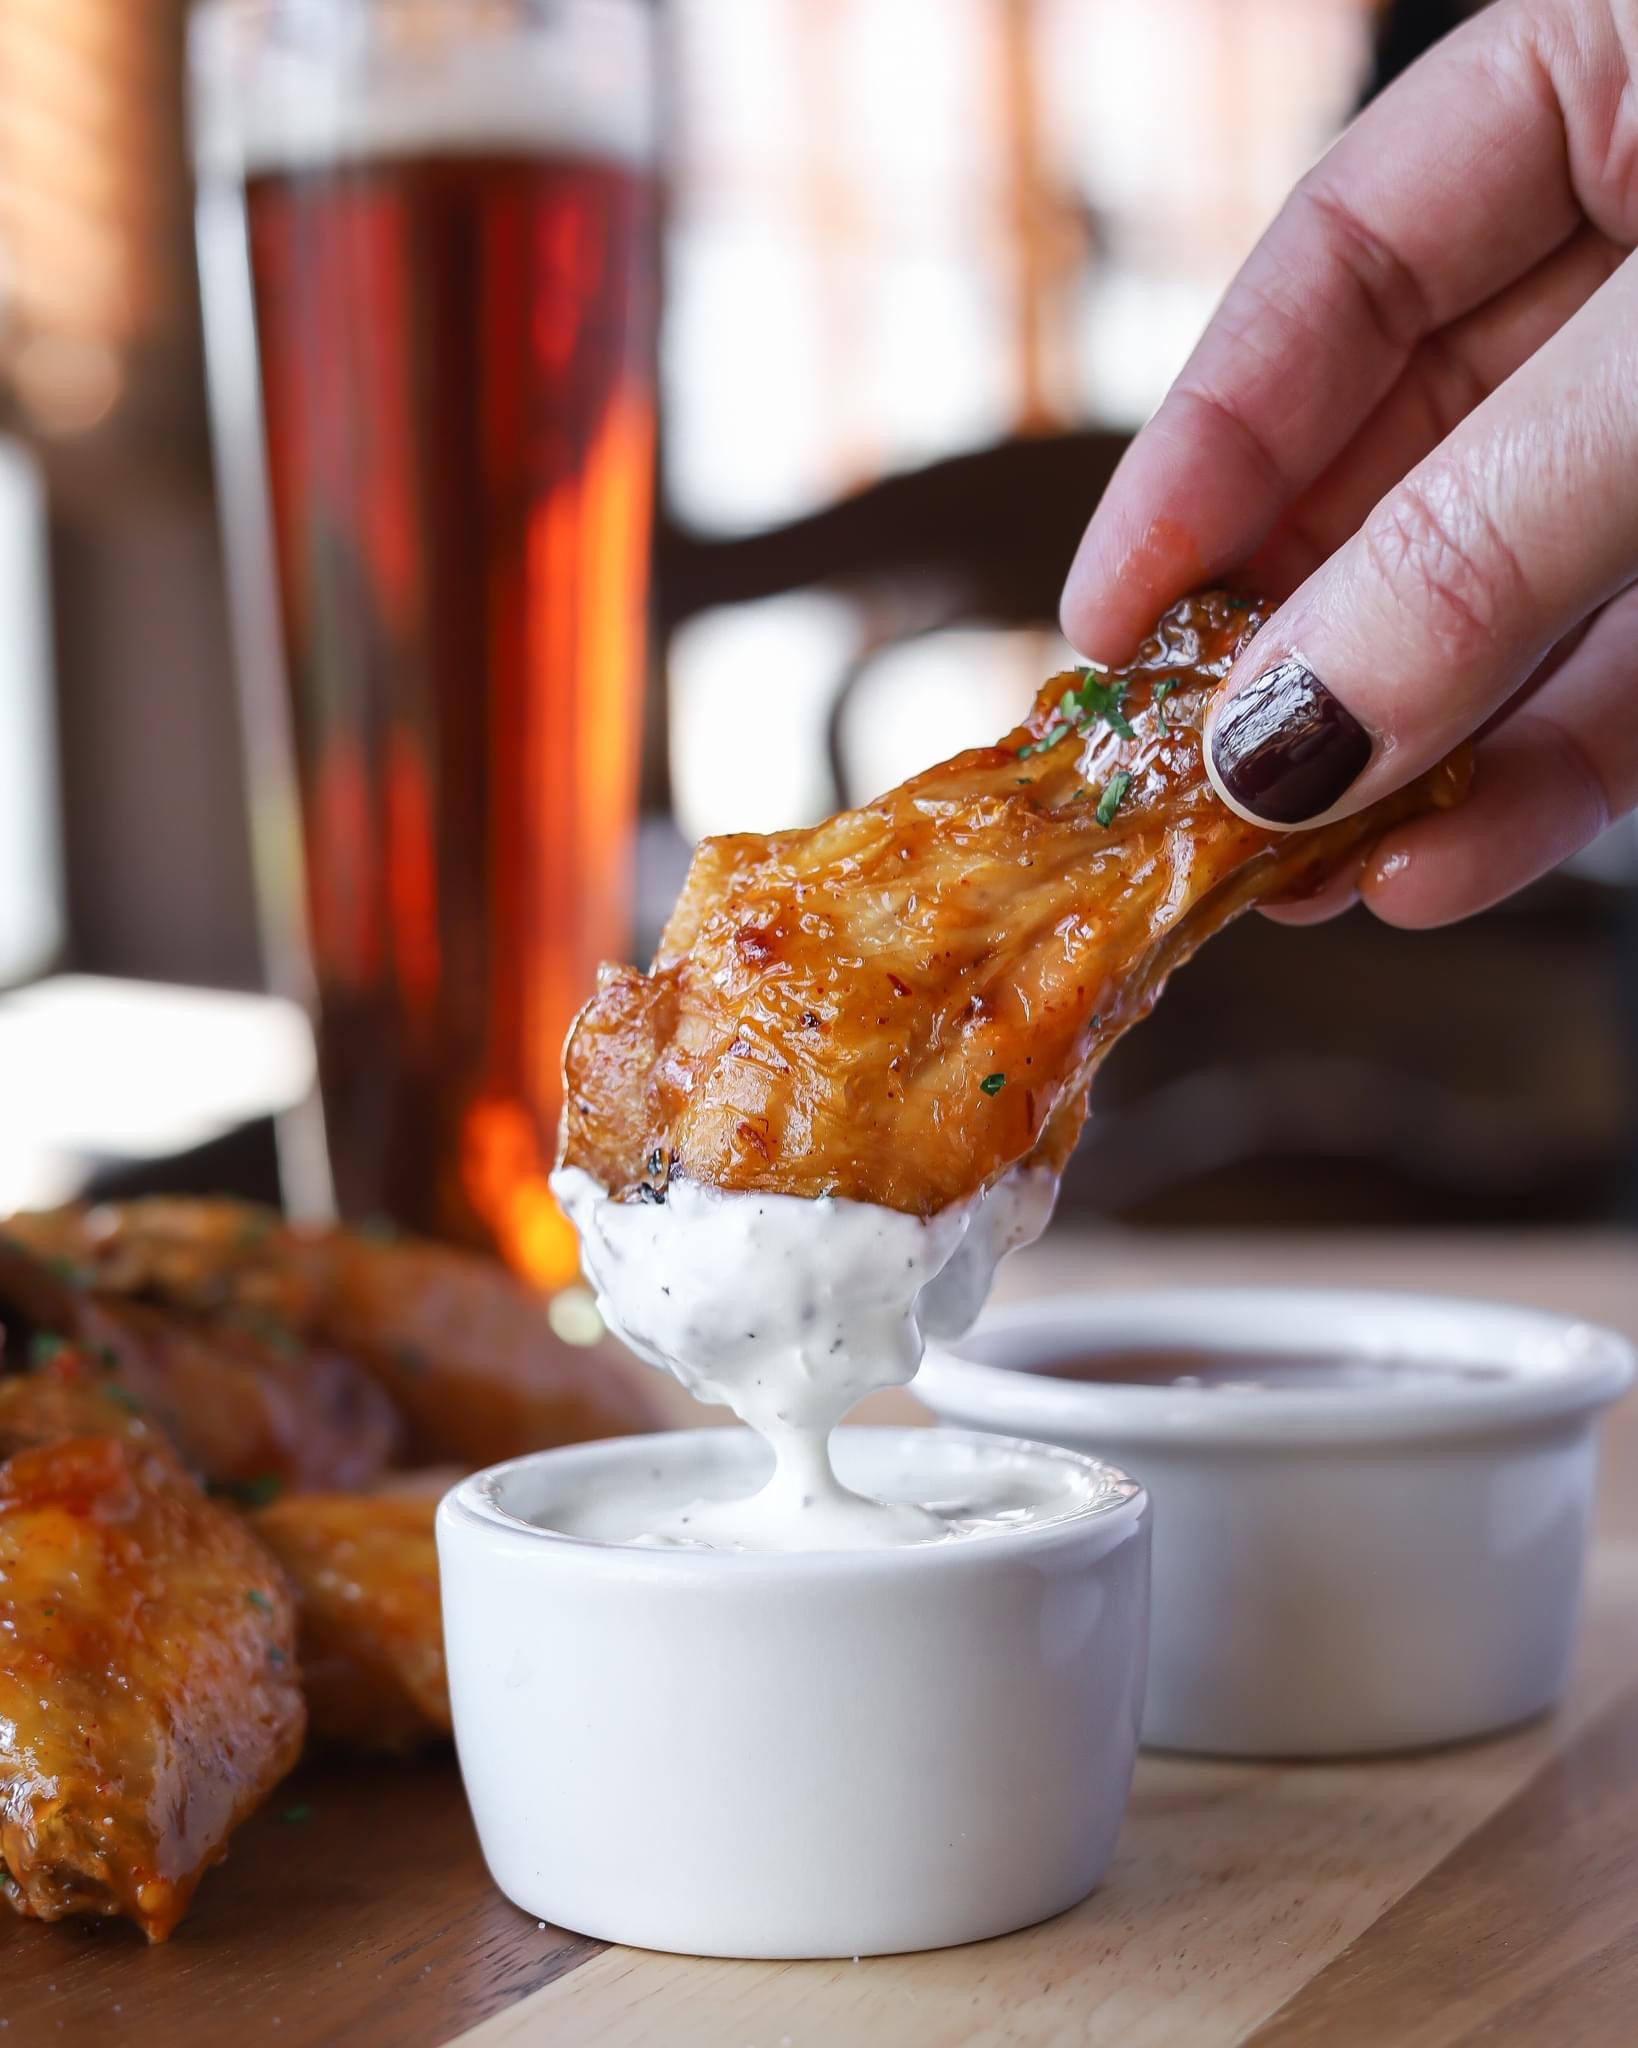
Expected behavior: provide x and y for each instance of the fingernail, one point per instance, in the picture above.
(1285, 748)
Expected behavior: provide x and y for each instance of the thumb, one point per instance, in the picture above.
(1458, 583)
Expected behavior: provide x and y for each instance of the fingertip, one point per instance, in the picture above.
(1130, 566)
(1336, 894)
(1081, 614)
(1528, 810)
(1406, 884)
(1097, 611)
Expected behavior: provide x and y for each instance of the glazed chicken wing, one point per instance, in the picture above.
(148, 1696)
(469, 1357)
(462, 1360)
(365, 1571)
(249, 1405)
(901, 1003)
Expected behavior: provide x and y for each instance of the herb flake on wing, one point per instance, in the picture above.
(1096, 700)
(1110, 802)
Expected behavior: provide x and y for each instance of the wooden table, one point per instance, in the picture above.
(1486, 1893)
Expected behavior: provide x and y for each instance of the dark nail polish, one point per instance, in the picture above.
(1286, 748)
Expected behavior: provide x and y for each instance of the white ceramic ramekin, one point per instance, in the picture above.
(819, 1754)
(1336, 1570)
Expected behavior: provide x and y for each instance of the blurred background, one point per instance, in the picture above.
(901, 277)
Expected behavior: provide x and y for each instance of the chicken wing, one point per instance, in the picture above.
(250, 1403)
(148, 1696)
(901, 1003)
(365, 1571)
(469, 1357)
(457, 1347)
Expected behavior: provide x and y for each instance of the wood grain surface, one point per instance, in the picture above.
(353, 1909)
(1487, 1893)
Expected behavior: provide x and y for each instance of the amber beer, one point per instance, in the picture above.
(448, 291)
(458, 431)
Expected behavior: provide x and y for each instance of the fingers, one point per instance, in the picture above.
(1320, 905)
(1521, 523)
(1546, 783)
(1447, 376)
(1452, 185)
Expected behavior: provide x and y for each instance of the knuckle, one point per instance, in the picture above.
(1227, 426)
(1443, 560)
(1386, 287)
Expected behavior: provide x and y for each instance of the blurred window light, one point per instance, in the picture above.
(899, 228)
(1613, 855)
(31, 895)
(94, 1069)
(1182, 124)
(752, 690)
(66, 384)
(94, 263)
(919, 702)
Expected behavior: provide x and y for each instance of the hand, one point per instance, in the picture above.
(1416, 410)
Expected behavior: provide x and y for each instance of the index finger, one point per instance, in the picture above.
(1450, 186)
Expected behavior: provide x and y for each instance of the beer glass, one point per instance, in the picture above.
(424, 240)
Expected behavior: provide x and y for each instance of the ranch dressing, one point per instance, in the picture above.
(788, 1312)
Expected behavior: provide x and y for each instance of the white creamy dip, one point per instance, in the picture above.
(789, 1311)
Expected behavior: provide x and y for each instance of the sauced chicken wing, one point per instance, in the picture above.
(365, 1571)
(459, 1347)
(904, 1001)
(249, 1403)
(469, 1357)
(148, 1696)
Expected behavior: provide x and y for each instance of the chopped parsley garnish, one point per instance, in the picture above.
(296, 1814)
(267, 1329)
(992, 1084)
(1109, 802)
(1102, 700)
(258, 1599)
(43, 1347)
(248, 1493)
(1162, 692)
(122, 1397)
(1097, 699)
(275, 1656)
(1060, 731)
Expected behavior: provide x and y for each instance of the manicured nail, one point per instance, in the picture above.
(1285, 748)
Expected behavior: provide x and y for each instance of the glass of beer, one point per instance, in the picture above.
(425, 250)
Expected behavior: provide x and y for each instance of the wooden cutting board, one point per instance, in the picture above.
(355, 1908)
(1481, 1894)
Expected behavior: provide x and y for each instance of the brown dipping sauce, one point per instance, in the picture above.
(1235, 1372)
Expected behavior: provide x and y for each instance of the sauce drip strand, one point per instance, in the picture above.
(789, 1312)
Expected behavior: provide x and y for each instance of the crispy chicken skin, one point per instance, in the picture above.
(450, 1348)
(148, 1696)
(468, 1356)
(246, 1402)
(365, 1573)
(901, 1003)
